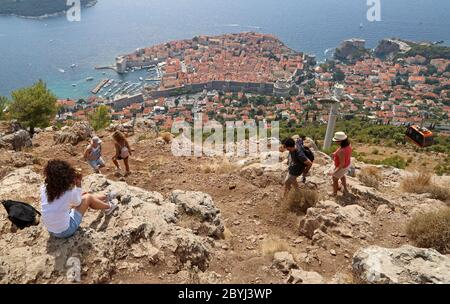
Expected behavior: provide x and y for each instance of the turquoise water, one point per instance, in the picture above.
(38, 49)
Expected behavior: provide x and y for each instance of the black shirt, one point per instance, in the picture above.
(297, 161)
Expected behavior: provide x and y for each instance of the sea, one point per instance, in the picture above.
(46, 49)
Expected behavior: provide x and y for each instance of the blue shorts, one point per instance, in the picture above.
(75, 222)
(96, 164)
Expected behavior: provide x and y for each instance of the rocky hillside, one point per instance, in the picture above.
(210, 220)
(37, 8)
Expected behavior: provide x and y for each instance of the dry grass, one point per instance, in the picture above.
(423, 183)
(167, 137)
(300, 200)
(224, 167)
(431, 230)
(145, 136)
(272, 245)
(370, 177)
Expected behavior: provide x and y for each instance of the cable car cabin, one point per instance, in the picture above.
(420, 136)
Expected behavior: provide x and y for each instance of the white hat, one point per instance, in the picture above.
(96, 140)
(340, 136)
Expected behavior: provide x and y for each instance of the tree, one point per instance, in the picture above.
(3, 104)
(33, 106)
(100, 118)
(339, 75)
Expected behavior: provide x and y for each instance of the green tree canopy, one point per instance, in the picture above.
(100, 118)
(33, 106)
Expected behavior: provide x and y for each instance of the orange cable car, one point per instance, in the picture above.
(420, 136)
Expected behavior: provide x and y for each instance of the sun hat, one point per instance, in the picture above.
(339, 136)
(96, 140)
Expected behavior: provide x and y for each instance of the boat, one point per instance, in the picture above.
(361, 25)
(89, 78)
(62, 70)
(73, 66)
(141, 79)
(74, 84)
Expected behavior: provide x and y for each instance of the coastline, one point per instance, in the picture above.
(91, 3)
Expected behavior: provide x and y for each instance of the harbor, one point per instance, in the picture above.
(131, 83)
(99, 86)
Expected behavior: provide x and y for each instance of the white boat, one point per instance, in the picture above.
(73, 66)
(89, 78)
(141, 79)
(62, 70)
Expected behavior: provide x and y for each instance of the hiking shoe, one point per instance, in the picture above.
(111, 208)
(111, 195)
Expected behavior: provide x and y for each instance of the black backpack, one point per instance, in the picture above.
(309, 154)
(307, 151)
(21, 214)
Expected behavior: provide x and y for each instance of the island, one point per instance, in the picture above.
(38, 8)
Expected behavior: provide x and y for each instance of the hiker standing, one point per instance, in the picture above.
(123, 151)
(93, 154)
(63, 202)
(298, 164)
(300, 145)
(342, 162)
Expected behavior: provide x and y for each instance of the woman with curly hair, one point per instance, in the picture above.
(63, 202)
(123, 151)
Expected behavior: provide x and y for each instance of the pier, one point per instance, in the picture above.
(99, 86)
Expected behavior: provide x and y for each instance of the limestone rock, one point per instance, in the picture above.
(299, 276)
(330, 218)
(79, 132)
(201, 205)
(284, 261)
(404, 265)
(142, 231)
(18, 140)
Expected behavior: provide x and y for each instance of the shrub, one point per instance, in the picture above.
(423, 183)
(375, 151)
(273, 245)
(300, 200)
(370, 177)
(167, 137)
(395, 161)
(225, 166)
(431, 230)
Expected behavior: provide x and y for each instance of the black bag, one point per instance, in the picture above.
(309, 154)
(307, 151)
(21, 214)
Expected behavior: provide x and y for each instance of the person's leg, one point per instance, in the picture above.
(287, 185)
(127, 166)
(335, 185)
(96, 202)
(116, 163)
(344, 183)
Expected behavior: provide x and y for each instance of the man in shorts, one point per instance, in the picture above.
(298, 163)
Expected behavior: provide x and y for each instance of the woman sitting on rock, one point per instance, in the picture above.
(342, 162)
(123, 151)
(63, 202)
